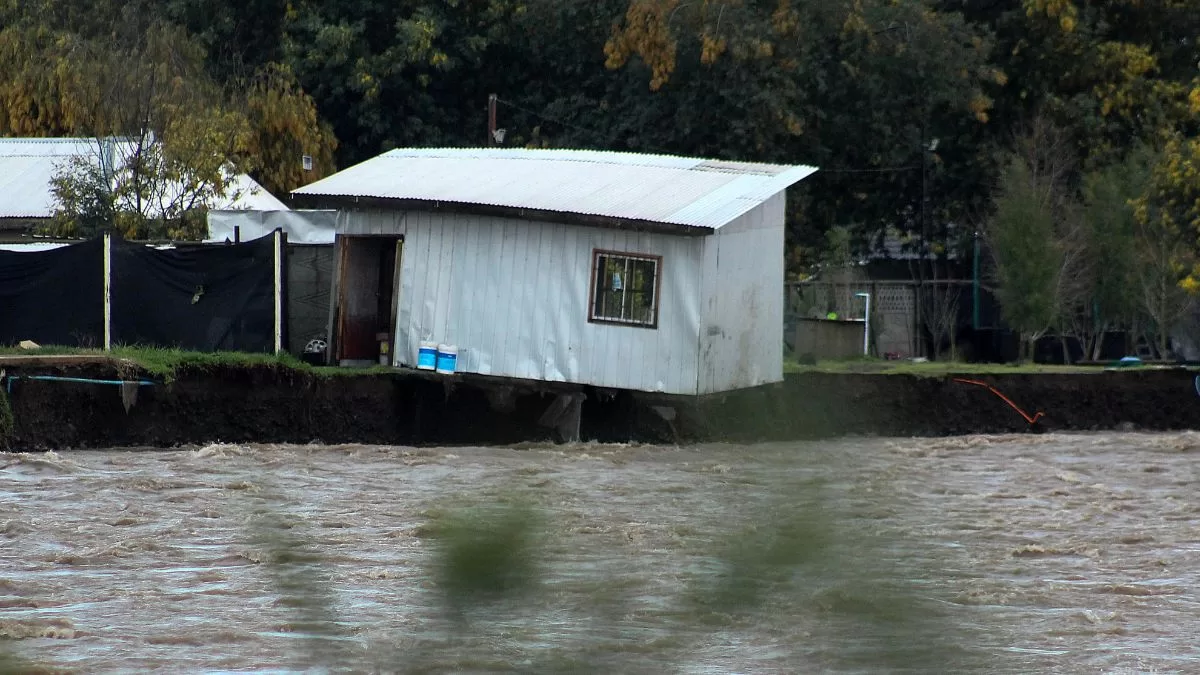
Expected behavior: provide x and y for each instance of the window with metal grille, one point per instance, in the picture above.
(625, 288)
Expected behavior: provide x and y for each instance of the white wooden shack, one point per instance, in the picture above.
(614, 270)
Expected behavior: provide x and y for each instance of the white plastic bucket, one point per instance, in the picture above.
(447, 359)
(427, 356)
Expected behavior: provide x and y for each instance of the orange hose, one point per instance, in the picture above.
(1031, 420)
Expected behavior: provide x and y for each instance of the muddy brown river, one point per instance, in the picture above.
(1048, 554)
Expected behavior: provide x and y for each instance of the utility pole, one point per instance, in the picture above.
(924, 248)
(975, 285)
(924, 194)
(491, 131)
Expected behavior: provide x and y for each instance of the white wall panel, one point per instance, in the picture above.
(742, 329)
(371, 222)
(513, 297)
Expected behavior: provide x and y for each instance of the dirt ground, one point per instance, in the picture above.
(264, 404)
(814, 405)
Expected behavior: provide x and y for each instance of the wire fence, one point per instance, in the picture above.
(905, 315)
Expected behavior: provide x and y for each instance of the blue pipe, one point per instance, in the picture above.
(84, 380)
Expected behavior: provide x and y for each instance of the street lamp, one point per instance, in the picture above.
(866, 323)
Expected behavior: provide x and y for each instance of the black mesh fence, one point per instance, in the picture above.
(212, 298)
(53, 297)
(204, 298)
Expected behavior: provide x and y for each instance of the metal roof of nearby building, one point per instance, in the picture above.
(28, 165)
(680, 191)
(30, 247)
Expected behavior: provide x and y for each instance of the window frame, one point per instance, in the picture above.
(656, 298)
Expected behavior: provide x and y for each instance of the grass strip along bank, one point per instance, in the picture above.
(166, 364)
(951, 368)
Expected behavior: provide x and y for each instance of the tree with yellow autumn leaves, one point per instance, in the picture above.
(169, 138)
(1121, 80)
(911, 108)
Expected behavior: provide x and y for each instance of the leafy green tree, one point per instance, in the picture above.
(860, 89)
(168, 138)
(285, 127)
(1022, 241)
(387, 74)
(1166, 218)
(1173, 196)
(86, 207)
(127, 72)
(1108, 196)
(1113, 73)
(240, 37)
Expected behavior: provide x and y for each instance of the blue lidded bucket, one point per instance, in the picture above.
(447, 359)
(427, 356)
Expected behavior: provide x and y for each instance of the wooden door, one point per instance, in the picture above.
(358, 298)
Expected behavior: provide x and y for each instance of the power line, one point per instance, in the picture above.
(576, 127)
(881, 169)
(547, 118)
(594, 133)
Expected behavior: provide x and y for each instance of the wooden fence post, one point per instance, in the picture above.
(278, 238)
(107, 291)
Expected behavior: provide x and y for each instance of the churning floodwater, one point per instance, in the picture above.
(1049, 554)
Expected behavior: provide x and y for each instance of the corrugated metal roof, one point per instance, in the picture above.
(654, 188)
(27, 166)
(29, 248)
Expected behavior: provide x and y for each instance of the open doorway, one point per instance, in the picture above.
(368, 288)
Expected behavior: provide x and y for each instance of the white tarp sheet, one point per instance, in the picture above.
(301, 227)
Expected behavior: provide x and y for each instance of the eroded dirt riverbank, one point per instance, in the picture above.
(281, 405)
